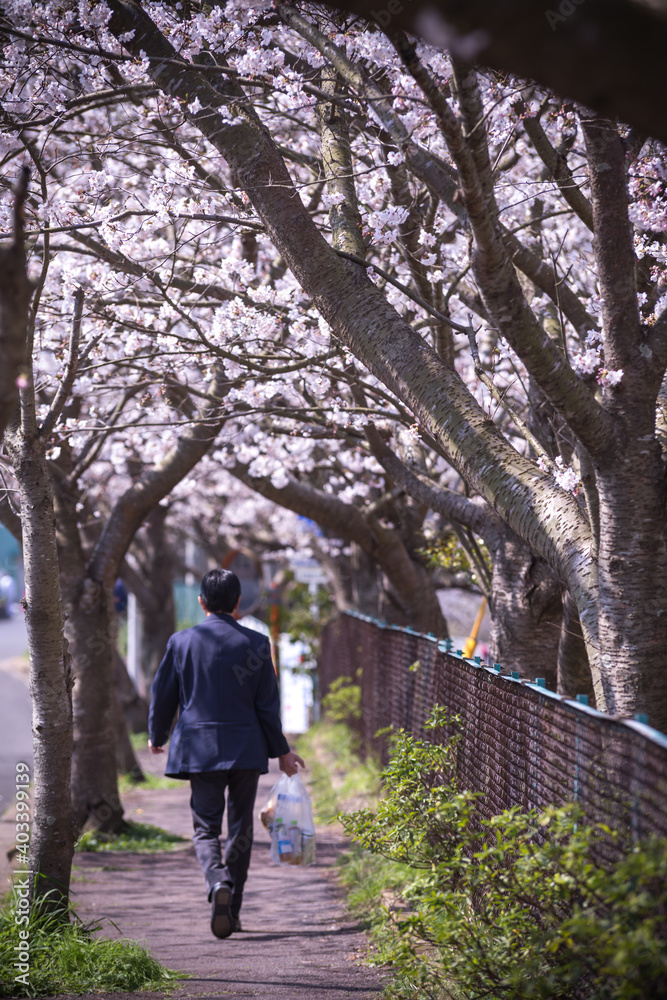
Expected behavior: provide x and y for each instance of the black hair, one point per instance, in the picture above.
(220, 591)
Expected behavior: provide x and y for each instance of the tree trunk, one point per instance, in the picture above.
(89, 627)
(133, 706)
(525, 612)
(630, 474)
(574, 674)
(364, 582)
(51, 836)
(126, 761)
(15, 293)
(157, 629)
(95, 799)
(354, 581)
(360, 584)
(156, 594)
(415, 603)
(633, 588)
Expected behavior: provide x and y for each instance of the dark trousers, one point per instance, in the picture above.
(208, 806)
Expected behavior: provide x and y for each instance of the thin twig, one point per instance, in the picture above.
(502, 401)
(406, 291)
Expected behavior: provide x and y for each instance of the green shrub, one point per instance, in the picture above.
(518, 906)
(342, 702)
(65, 956)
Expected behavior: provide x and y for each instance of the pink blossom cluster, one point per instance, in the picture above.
(383, 225)
(648, 188)
(590, 362)
(564, 475)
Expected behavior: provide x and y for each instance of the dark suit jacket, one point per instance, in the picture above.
(222, 677)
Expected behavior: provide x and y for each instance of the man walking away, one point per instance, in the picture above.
(221, 676)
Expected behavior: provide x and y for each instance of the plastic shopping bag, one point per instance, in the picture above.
(288, 816)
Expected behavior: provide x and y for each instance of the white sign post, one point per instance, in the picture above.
(308, 571)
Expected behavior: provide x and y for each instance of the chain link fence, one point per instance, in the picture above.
(521, 745)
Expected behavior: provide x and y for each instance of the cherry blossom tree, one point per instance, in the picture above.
(92, 537)
(456, 250)
(51, 835)
(612, 432)
(124, 415)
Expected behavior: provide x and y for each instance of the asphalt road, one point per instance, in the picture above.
(13, 636)
(15, 710)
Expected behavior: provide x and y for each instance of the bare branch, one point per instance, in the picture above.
(406, 291)
(474, 515)
(545, 278)
(498, 283)
(425, 165)
(501, 399)
(556, 164)
(133, 506)
(96, 440)
(472, 113)
(71, 368)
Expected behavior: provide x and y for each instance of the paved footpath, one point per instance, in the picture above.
(297, 941)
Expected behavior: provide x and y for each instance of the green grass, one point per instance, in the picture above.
(374, 888)
(338, 779)
(139, 741)
(67, 957)
(126, 783)
(372, 883)
(136, 838)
